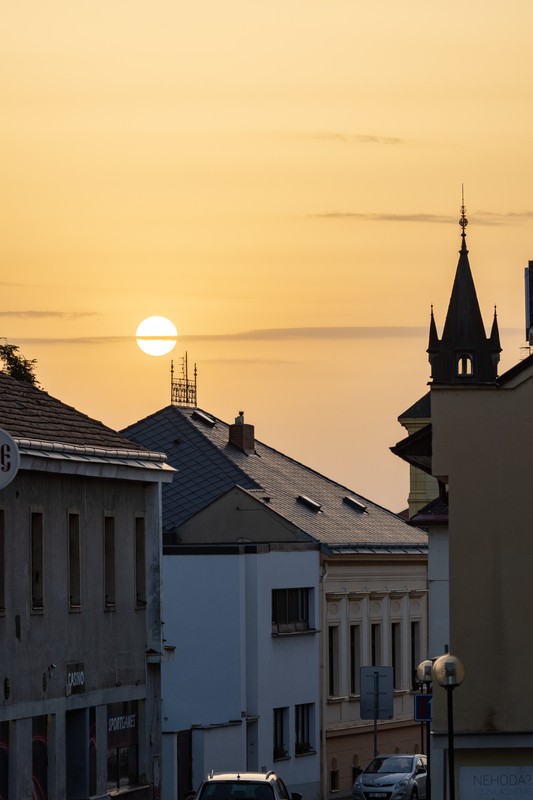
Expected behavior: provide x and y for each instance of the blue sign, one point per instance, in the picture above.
(423, 707)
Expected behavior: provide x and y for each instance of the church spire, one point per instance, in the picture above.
(464, 355)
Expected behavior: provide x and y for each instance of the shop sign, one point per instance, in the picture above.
(75, 678)
(9, 458)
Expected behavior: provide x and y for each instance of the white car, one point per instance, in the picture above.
(392, 777)
(244, 786)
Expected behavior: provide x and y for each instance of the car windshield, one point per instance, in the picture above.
(236, 790)
(391, 764)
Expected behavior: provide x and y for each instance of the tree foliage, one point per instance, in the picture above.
(14, 364)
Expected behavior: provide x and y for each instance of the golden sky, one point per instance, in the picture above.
(283, 181)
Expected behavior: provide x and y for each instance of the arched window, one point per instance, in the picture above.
(465, 365)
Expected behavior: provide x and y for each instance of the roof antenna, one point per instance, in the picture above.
(183, 390)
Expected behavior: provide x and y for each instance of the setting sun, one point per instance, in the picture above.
(156, 336)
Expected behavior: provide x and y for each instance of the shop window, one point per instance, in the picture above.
(39, 746)
(2, 567)
(122, 745)
(4, 758)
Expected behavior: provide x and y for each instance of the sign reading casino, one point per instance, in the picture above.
(75, 678)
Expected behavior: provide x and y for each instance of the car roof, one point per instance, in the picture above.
(247, 776)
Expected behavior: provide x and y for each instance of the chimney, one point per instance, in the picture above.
(242, 435)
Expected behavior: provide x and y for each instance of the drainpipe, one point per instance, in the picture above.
(323, 679)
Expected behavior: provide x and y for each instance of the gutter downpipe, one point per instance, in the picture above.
(323, 678)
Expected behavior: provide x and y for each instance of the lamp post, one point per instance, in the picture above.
(449, 672)
(424, 676)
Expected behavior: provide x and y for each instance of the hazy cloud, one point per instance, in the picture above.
(44, 314)
(356, 138)
(479, 218)
(285, 334)
(265, 334)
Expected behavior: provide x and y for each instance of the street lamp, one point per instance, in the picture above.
(449, 672)
(424, 676)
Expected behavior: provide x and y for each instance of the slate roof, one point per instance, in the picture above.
(32, 414)
(197, 445)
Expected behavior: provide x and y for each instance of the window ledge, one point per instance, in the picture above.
(308, 753)
(337, 699)
(281, 634)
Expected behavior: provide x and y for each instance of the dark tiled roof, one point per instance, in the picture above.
(419, 410)
(209, 466)
(30, 413)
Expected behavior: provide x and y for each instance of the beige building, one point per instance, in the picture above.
(478, 447)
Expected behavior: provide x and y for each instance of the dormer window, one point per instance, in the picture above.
(465, 365)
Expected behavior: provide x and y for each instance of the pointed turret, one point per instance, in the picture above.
(464, 355)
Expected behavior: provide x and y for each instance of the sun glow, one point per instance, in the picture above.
(156, 336)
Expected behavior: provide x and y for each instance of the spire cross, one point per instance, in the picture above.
(463, 222)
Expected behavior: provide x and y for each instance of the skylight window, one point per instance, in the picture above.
(355, 504)
(307, 501)
(205, 418)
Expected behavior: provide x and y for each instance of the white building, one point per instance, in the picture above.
(366, 598)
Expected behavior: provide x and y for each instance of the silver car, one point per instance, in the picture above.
(392, 777)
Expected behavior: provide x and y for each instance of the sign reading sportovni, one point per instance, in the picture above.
(9, 458)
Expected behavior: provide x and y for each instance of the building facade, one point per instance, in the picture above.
(80, 626)
(477, 447)
(371, 595)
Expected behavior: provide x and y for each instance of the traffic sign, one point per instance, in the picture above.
(376, 693)
(423, 707)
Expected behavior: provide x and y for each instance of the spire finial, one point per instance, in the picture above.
(463, 222)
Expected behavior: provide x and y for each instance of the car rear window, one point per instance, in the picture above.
(236, 790)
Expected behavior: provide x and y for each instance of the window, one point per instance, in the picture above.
(334, 776)
(74, 565)
(465, 365)
(375, 644)
(140, 563)
(122, 745)
(2, 566)
(415, 652)
(355, 659)
(109, 562)
(290, 610)
(39, 742)
(37, 597)
(4, 758)
(303, 729)
(281, 733)
(333, 661)
(396, 648)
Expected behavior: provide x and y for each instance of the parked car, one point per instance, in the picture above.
(245, 786)
(392, 777)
